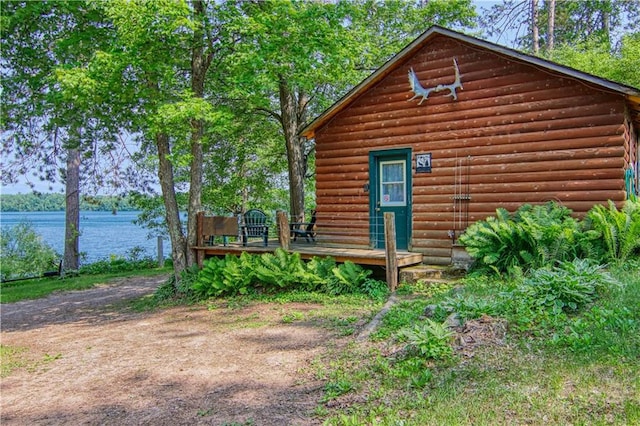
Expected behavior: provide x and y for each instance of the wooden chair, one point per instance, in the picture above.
(254, 225)
(305, 229)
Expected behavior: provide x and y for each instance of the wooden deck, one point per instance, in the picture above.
(309, 250)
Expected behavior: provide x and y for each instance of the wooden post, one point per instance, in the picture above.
(390, 250)
(160, 253)
(283, 229)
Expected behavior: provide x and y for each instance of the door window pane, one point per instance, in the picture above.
(392, 183)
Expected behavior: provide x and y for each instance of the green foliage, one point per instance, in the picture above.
(347, 278)
(595, 57)
(230, 275)
(570, 357)
(414, 370)
(182, 291)
(536, 236)
(618, 230)
(24, 254)
(400, 316)
(470, 306)
(337, 388)
(282, 270)
(431, 340)
(567, 287)
(320, 267)
(130, 262)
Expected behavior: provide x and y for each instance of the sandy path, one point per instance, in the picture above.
(90, 360)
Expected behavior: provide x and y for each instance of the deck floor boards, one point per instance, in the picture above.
(309, 250)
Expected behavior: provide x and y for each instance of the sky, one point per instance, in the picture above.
(23, 187)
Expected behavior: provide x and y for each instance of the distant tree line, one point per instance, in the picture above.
(56, 202)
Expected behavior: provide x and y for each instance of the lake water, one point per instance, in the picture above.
(102, 234)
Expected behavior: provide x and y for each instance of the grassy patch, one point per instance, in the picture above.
(14, 357)
(37, 288)
(11, 358)
(582, 367)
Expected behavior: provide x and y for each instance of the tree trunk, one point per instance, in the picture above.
(606, 27)
(551, 26)
(71, 259)
(199, 66)
(295, 148)
(195, 189)
(535, 33)
(165, 174)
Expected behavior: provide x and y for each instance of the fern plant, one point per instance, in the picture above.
(348, 278)
(224, 276)
(553, 232)
(498, 242)
(530, 238)
(283, 270)
(321, 268)
(619, 230)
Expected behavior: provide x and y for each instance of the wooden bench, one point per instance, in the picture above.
(209, 227)
(254, 224)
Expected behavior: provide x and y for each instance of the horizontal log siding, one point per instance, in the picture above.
(532, 137)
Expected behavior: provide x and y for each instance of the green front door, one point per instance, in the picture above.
(390, 191)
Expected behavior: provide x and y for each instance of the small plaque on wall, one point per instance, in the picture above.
(423, 163)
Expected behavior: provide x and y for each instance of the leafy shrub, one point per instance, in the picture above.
(282, 270)
(346, 278)
(432, 340)
(119, 264)
(530, 238)
(321, 267)
(568, 287)
(470, 307)
(181, 291)
(497, 242)
(230, 275)
(23, 253)
(618, 230)
(554, 232)
(375, 289)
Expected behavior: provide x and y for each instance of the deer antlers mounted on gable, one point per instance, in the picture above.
(418, 90)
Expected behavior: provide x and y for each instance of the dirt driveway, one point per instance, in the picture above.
(91, 360)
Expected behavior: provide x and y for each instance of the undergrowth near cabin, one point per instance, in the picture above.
(545, 330)
(554, 347)
(283, 271)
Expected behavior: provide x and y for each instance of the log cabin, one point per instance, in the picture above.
(453, 127)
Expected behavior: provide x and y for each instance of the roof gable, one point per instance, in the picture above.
(632, 94)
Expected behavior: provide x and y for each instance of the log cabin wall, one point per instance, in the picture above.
(529, 136)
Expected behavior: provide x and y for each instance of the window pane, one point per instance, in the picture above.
(393, 193)
(393, 172)
(392, 183)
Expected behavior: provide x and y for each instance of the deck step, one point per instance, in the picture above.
(428, 273)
